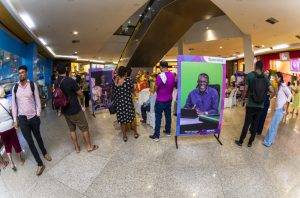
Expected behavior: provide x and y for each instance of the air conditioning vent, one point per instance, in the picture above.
(298, 36)
(76, 41)
(272, 20)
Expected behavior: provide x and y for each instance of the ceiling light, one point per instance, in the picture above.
(75, 52)
(27, 20)
(262, 46)
(221, 47)
(7, 58)
(207, 27)
(75, 32)
(43, 41)
(281, 46)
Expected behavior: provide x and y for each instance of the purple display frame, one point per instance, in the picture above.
(200, 59)
(91, 70)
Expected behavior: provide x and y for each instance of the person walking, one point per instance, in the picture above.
(165, 83)
(26, 111)
(72, 112)
(257, 86)
(123, 102)
(284, 95)
(296, 100)
(8, 133)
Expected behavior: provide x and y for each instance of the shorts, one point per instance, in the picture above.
(78, 120)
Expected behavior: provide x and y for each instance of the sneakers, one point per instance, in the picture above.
(154, 138)
(237, 142)
(167, 134)
(249, 144)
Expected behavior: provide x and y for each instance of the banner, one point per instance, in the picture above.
(201, 93)
(101, 88)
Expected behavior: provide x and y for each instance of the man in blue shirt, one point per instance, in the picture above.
(203, 99)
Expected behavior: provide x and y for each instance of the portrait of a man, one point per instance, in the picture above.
(204, 99)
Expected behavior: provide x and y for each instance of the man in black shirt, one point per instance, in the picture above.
(73, 112)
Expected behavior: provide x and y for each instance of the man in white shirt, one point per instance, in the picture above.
(284, 95)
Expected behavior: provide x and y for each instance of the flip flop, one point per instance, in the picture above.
(95, 147)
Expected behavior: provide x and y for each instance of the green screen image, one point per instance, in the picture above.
(189, 77)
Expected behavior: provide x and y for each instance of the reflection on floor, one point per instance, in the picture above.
(143, 168)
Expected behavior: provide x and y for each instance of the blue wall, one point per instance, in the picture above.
(28, 52)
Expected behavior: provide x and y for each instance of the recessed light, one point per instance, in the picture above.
(7, 58)
(75, 32)
(207, 27)
(75, 52)
(221, 47)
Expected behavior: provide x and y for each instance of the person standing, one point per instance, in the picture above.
(123, 102)
(284, 95)
(257, 85)
(26, 111)
(165, 83)
(264, 113)
(296, 101)
(72, 111)
(8, 133)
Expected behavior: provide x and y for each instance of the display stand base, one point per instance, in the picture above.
(217, 138)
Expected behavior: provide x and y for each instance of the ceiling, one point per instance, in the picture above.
(95, 20)
(249, 16)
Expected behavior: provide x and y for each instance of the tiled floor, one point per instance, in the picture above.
(143, 168)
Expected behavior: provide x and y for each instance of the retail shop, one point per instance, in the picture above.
(13, 53)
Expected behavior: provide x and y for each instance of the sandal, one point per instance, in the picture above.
(125, 139)
(136, 136)
(95, 147)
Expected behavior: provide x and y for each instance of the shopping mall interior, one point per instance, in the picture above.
(214, 44)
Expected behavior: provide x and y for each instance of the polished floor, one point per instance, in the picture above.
(143, 168)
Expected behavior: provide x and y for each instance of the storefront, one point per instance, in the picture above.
(13, 53)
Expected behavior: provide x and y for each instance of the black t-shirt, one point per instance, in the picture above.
(69, 87)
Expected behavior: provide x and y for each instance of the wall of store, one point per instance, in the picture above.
(27, 52)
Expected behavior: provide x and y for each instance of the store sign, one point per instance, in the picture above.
(295, 65)
(284, 56)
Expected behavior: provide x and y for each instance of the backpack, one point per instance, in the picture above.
(60, 100)
(259, 88)
(32, 87)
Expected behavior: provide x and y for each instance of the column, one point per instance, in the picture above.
(248, 53)
(180, 46)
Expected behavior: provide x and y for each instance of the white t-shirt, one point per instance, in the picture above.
(6, 121)
(284, 95)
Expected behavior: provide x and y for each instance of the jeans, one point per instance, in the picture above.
(161, 107)
(263, 115)
(27, 127)
(144, 110)
(272, 131)
(251, 118)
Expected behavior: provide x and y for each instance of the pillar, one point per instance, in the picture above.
(180, 46)
(248, 53)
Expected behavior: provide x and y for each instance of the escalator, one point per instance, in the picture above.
(164, 22)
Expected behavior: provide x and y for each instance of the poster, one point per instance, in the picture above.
(201, 91)
(101, 88)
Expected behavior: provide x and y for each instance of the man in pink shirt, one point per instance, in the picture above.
(26, 110)
(165, 84)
